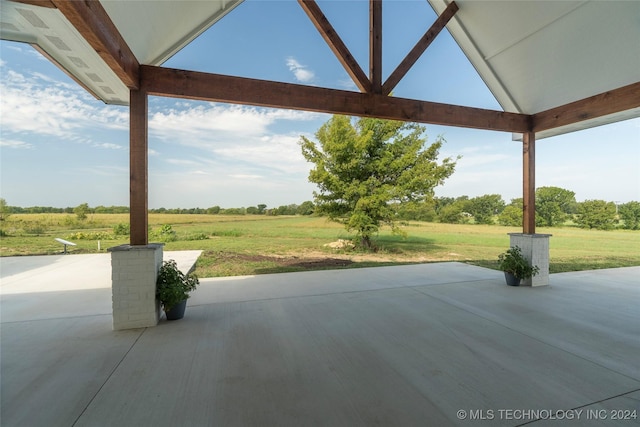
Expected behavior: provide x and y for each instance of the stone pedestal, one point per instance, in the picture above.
(535, 248)
(134, 271)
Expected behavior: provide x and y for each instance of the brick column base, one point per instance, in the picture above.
(134, 271)
(535, 249)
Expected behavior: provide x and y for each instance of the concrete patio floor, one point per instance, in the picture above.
(425, 345)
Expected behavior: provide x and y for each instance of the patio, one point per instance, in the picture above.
(410, 345)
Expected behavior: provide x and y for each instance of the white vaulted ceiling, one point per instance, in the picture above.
(533, 55)
(154, 30)
(537, 55)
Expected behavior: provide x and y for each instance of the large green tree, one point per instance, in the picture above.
(553, 205)
(81, 211)
(483, 208)
(366, 167)
(596, 214)
(511, 215)
(630, 214)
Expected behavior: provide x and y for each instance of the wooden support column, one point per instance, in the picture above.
(375, 45)
(529, 182)
(138, 168)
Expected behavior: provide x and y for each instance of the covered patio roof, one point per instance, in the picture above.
(537, 58)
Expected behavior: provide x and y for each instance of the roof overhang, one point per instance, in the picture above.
(153, 34)
(535, 56)
(554, 67)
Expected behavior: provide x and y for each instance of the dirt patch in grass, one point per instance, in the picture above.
(303, 263)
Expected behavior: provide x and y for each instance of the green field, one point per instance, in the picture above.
(252, 244)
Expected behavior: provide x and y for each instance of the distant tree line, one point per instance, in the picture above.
(554, 207)
(50, 209)
(82, 210)
(306, 208)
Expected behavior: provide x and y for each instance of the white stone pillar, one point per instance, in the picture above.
(535, 249)
(134, 271)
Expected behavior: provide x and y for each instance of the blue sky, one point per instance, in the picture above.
(61, 147)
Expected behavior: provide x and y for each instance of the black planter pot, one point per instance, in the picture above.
(177, 311)
(511, 279)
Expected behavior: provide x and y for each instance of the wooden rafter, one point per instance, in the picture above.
(419, 48)
(336, 44)
(95, 26)
(610, 102)
(375, 45)
(238, 90)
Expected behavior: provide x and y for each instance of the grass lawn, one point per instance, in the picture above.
(245, 245)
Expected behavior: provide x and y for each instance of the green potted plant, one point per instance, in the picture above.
(515, 266)
(172, 289)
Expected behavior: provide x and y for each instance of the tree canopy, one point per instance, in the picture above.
(553, 204)
(365, 168)
(630, 214)
(596, 214)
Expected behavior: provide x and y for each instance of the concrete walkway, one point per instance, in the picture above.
(428, 345)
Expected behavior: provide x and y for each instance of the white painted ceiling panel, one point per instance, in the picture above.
(157, 30)
(50, 31)
(537, 55)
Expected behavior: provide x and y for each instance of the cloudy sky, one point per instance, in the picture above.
(61, 147)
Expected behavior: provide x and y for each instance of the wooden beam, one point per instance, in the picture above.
(138, 167)
(529, 183)
(375, 45)
(95, 26)
(237, 90)
(336, 44)
(419, 48)
(610, 102)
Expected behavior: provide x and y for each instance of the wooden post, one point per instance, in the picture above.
(529, 183)
(138, 168)
(375, 45)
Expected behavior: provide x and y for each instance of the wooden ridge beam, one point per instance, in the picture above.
(375, 45)
(95, 26)
(336, 44)
(610, 102)
(168, 82)
(419, 48)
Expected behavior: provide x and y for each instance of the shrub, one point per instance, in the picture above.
(122, 229)
(164, 234)
(96, 235)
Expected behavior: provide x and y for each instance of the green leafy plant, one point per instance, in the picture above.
(513, 262)
(173, 286)
(122, 229)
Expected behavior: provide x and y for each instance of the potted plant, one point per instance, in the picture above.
(515, 266)
(172, 289)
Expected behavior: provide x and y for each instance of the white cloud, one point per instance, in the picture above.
(245, 176)
(53, 109)
(300, 72)
(109, 146)
(11, 143)
(183, 162)
(348, 84)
